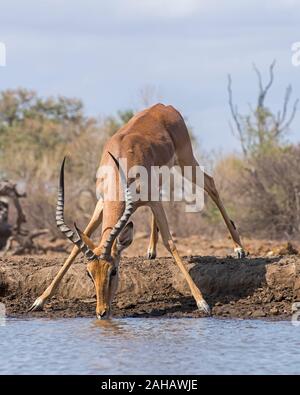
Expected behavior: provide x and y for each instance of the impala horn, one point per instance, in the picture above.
(74, 237)
(128, 210)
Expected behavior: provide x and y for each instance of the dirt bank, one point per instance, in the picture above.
(249, 288)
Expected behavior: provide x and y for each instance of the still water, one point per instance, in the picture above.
(149, 346)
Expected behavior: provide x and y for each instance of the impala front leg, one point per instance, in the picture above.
(162, 222)
(48, 293)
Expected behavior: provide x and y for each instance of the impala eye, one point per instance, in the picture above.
(113, 272)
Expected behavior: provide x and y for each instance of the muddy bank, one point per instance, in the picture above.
(247, 288)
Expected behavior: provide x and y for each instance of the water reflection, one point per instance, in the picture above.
(112, 327)
(148, 346)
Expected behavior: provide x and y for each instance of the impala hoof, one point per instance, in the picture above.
(240, 253)
(37, 305)
(151, 254)
(203, 306)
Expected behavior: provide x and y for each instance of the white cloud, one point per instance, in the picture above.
(104, 52)
(161, 8)
(2, 54)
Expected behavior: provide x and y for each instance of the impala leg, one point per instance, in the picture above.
(211, 189)
(151, 252)
(186, 158)
(48, 293)
(162, 222)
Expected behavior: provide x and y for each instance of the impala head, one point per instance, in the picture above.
(104, 272)
(102, 267)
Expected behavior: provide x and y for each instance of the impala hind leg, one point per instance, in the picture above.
(210, 188)
(162, 222)
(186, 158)
(151, 252)
(48, 293)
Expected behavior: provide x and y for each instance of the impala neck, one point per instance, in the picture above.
(112, 212)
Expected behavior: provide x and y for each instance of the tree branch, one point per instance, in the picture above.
(264, 90)
(235, 116)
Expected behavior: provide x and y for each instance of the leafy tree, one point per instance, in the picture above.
(114, 123)
(36, 133)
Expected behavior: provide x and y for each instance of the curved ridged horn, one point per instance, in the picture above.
(116, 230)
(74, 237)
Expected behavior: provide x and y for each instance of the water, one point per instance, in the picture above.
(149, 346)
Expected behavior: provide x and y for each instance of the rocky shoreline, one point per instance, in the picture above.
(256, 287)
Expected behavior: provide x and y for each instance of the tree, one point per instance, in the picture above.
(264, 184)
(261, 129)
(114, 123)
(35, 134)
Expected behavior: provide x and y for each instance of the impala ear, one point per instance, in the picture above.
(126, 237)
(85, 238)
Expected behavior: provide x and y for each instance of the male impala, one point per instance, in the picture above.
(154, 137)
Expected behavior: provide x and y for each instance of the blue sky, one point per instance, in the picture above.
(106, 52)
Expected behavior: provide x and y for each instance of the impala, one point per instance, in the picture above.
(156, 136)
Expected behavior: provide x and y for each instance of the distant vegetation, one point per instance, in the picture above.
(262, 185)
(35, 134)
